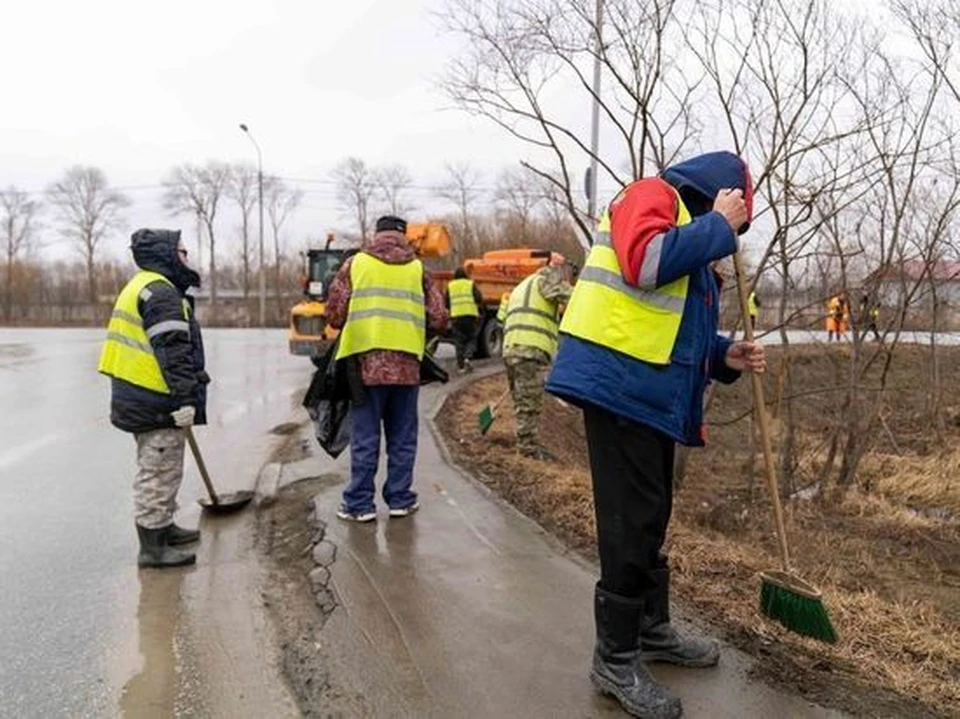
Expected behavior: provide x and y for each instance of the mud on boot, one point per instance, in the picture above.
(156, 552)
(179, 535)
(661, 642)
(617, 670)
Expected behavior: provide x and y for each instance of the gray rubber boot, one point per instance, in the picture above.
(178, 535)
(660, 642)
(155, 552)
(616, 666)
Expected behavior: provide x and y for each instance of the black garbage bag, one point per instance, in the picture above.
(333, 387)
(431, 371)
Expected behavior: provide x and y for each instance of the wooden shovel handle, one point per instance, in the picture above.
(201, 465)
(763, 422)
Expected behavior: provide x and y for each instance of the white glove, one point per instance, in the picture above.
(184, 416)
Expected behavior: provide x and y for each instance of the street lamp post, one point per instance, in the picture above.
(595, 118)
(262, 277)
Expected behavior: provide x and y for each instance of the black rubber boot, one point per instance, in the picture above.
(178, 535)
(155, 552)
(616, 667)
(660, 642)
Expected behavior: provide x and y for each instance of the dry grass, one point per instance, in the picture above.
(891, 578)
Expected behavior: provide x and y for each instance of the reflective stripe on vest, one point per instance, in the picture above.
(387, 310)
(127, 353)
(531, 320)
(605, 310)
(462, 303)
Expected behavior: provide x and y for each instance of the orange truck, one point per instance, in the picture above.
(494, 273)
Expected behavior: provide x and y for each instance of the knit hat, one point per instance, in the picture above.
(389, 223)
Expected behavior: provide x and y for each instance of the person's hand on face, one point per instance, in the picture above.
(731, 205)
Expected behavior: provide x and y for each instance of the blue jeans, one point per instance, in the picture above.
(395, 407)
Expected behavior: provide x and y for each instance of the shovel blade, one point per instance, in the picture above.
(227, 502)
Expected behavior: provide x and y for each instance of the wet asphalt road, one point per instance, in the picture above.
(77, 619)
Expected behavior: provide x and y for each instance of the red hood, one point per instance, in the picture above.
(390, 247)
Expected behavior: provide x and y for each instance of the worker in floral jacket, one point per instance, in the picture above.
(384, 301)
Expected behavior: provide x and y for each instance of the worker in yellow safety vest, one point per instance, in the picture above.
(465, 303)
(154, 357)
(639, 345)
(384, 301)
(530, 328)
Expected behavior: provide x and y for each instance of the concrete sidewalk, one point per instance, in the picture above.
(469, 609)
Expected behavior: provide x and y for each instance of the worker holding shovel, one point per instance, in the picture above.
(639, 345)
(154, 357)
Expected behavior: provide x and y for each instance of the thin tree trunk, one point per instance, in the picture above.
(213, 273)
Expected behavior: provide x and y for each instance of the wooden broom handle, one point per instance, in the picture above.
(760, 409)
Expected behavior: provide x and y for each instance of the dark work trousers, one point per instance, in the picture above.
(464, 338)
(632, 469)
(395, 408)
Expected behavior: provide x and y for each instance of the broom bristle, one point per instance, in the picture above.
(485, 418)
(798, 613)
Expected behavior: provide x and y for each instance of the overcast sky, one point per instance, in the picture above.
(136, 87)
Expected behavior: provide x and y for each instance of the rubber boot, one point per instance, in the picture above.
(156, 552)
(660, 642)
(178, 535)
(616, 660)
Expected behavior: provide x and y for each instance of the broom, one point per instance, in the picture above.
(784, 597)
(488, 413)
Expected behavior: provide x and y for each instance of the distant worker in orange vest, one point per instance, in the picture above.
(838, 314)
(464, 302)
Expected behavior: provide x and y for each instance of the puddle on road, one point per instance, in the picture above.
(152, 691)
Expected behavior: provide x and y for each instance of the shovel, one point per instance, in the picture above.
(488, 413)
(217, 503)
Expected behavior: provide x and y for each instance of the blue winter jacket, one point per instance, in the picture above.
(668, 398)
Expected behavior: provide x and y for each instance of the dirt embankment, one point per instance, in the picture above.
(886, 552)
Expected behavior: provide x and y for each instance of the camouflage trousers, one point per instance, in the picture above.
(159, 473)
(526, 387)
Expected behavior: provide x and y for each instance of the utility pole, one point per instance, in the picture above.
(595, 119)
(261, 276)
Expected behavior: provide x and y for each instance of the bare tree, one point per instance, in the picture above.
(519, 55)
(243, 191)
(518, 194)
(392, 183)
(356, 188)
(280, 201)
(197, 191)
(87, 211)
(18, 219)
(461, 188)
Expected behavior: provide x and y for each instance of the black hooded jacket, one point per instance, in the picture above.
(179, 353)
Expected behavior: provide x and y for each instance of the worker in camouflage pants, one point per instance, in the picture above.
(530, 330)
(154, 358)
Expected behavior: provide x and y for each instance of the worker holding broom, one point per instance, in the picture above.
(639, 345)
(530, 328)
(154, 357)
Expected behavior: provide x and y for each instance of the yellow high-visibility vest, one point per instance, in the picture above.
(605, 310)
(127, 353)
(462, 303)
(387, 310)
(531, 320)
